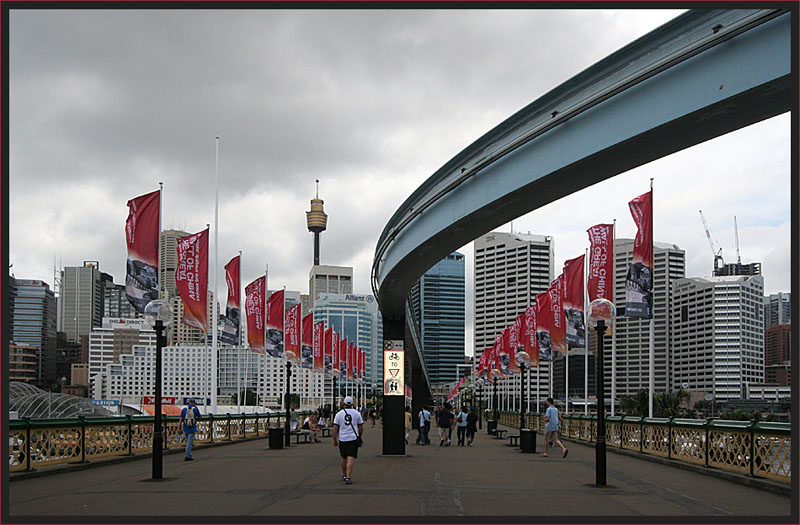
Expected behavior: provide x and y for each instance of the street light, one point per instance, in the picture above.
(522, 359)
(601, 316)
(158, 315)
(495, 374)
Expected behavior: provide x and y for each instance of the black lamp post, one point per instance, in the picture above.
(601, 314)
(158, 315)
(480, 405)
(522, 358)
(288, 438)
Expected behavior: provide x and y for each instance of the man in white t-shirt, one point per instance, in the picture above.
(346, 437)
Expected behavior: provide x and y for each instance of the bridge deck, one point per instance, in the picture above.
(489, 479)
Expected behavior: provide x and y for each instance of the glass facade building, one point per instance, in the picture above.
(438, 306)
(32, 322)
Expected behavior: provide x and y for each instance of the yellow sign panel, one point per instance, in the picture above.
(394, 372)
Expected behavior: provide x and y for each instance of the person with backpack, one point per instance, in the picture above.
(461, 430)
(347, 438)
(424, 425)
(190, 415)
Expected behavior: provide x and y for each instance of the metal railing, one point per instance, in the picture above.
(754, 448)
(35, 443)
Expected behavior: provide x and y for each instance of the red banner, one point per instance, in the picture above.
(572, 302)
(351, 361)
(513, 345)
(343, 346)
(256, 314)
(292, 323)
(191, 278)
(639, 281)
(544, 325)
(274, 336)
(601, 262)
(327, 352)
(335, 344)
(319, 346)
(307, 342)
(165, 400)
(504, 351)
(530, 343)
(142, 235)
(362, 366)
(230, 330)
(558, 329)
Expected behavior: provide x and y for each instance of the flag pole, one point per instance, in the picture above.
(160, 208)
(586, 333)
(652, 379)
(239, 342)
(214, 312)
(264, 328)
(613, 328)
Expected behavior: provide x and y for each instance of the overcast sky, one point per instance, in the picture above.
(104, 104)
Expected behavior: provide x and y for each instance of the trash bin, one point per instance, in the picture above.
(491, 426)
(527, 440)
(275, 437)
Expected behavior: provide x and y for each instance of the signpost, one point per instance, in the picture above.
(394, 390)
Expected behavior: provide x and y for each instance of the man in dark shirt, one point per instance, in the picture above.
(472, 422)
(445, 422)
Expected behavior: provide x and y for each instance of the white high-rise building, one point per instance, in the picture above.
(633, 335)
(717, 334)
(510, 270)
(329, 279)
(114, 338)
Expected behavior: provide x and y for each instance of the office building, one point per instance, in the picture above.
(717, 334)
(733, 269)
(329, 279)
(632, 334)
(510, 270)
(438, 306)
(116, 303)
(115, 338)
(778, 354)
(32, 322)
(81, 298)
(777, 309)
(22, 362)
(358, 319)
(577, 377)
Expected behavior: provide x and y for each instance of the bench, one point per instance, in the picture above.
(498, 434)
(297, 434)
(326, 431)
(513, 441)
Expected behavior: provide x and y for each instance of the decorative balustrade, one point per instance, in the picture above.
(37, 443)
(748, 447)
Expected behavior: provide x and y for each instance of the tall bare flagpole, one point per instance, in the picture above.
(586, 333)
(214, 312)
(652, 380)
(613, 328)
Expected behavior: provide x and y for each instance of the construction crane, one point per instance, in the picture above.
(716, 249)
(736, 234)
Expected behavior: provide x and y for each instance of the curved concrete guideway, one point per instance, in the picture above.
(704, 74)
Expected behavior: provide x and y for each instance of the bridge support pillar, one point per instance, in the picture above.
(394, 443)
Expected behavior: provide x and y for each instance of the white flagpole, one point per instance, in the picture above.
(586, 333)
(652, 381)
(537, 387)
(613, 327)
(239, 345)
(566, 380)
(160, 213)
(214, 312)
(264, 329)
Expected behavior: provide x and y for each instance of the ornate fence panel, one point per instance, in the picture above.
(772, 451)
(630, 433)
(108, 437)
(655, 436)
(688, 440)
(18, 445)
(728, 445)
(613, 431)
(59, 441)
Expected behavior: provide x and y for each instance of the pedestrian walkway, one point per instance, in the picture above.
(490, 479)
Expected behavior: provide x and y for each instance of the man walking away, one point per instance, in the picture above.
(552, 420)
(424, 425)
(462, 425)
(445, 423)
(190, 415)
(408, 422)
(472, 425)
(346, 437)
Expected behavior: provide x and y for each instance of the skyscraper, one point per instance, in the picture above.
(777, 309)
(633, 335)
(81, 297)
(717, 334)
(510, 270)
(329, 279)
(116, 303)
(317, 222)
(32, 322)
(778, 354)
(438, 305)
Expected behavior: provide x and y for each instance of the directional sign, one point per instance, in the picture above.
(393, 344)
(393, 370)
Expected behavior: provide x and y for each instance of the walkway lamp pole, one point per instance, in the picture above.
(288, 438)
(522, 358)
(601, 316)
(158, 315)
(495, 373)
(480, 405)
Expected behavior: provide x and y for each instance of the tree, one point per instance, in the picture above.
(637, 405)
(667, 404)
(248, 397)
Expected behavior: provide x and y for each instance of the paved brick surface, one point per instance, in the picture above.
(491, 480)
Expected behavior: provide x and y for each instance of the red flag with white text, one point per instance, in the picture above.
(327, 352)
(191, 278)
(544, 324)
(319, 345)
(142, 232)
(343, 346)
(558, 328)
(601, 262)
(335, 344)
(274, 335)
(307, 342)
(639, 280)
(230, 330)
(530, 342)
(572, 302)
(292, 323)
(255, 310)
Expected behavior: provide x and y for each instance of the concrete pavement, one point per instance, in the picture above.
(491, 480)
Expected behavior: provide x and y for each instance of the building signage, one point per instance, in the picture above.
(393, 370)
(151, 400)
(359, 298)
(197, 400)
(106, 402)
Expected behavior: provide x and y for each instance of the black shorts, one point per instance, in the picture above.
(348, 448)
